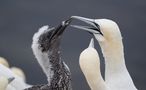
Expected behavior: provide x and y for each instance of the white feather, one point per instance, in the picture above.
(90, 66)
(17, 83)
(117, 76)
(42, 57)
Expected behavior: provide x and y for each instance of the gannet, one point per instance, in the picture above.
(19, 72)
(4, 81)
(5, 70)
(109, 37)
(4, 62)
(46, 48)
(90, 66)
(17, 83)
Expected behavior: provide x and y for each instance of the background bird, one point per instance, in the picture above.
(19, 72)
(7, 72)
(4, 81)
(109, 37)
(90, 66)
(4, 62)
(18, 83)
(46, 48)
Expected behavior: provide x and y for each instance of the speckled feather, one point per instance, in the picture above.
(46, 48)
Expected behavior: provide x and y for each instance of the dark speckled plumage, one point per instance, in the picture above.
(49, 42)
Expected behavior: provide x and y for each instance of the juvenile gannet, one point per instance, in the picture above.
(4, 62)
(4, 81)
(90, 66)
(46, 48)
(109, 37)
(17, 83)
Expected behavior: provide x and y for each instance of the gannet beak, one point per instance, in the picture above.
(94, 28)
(10, 79)
(91, 43)
(60, 29)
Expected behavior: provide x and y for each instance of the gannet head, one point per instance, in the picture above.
(46, 37)
(19, 72)
(90, 66)
(4, 62)
(89, 60)
(102, 29)
(46, 42)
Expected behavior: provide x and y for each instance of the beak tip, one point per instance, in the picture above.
(10, 79)
(67, 22)
(91, 43)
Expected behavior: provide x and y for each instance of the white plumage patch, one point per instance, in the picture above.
(42, 57)
(18, 83)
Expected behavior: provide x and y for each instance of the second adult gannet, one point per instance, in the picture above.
(46, 48)
(109, 37)
(90, 66)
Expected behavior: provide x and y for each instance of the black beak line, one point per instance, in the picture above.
(95, 29)
(60, 29)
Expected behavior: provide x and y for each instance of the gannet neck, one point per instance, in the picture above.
(113, 52)
(116, 73)
(90, 66)
(42, 57)
(46, 48)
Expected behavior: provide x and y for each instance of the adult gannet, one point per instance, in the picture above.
(46, 48)
(4, 81)
(109, 37)
(90, 66)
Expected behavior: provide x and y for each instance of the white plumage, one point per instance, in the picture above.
(3, 83)
(90, 66)
(18, 83)
(19, 72)
(42, 57)
(109, 37)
